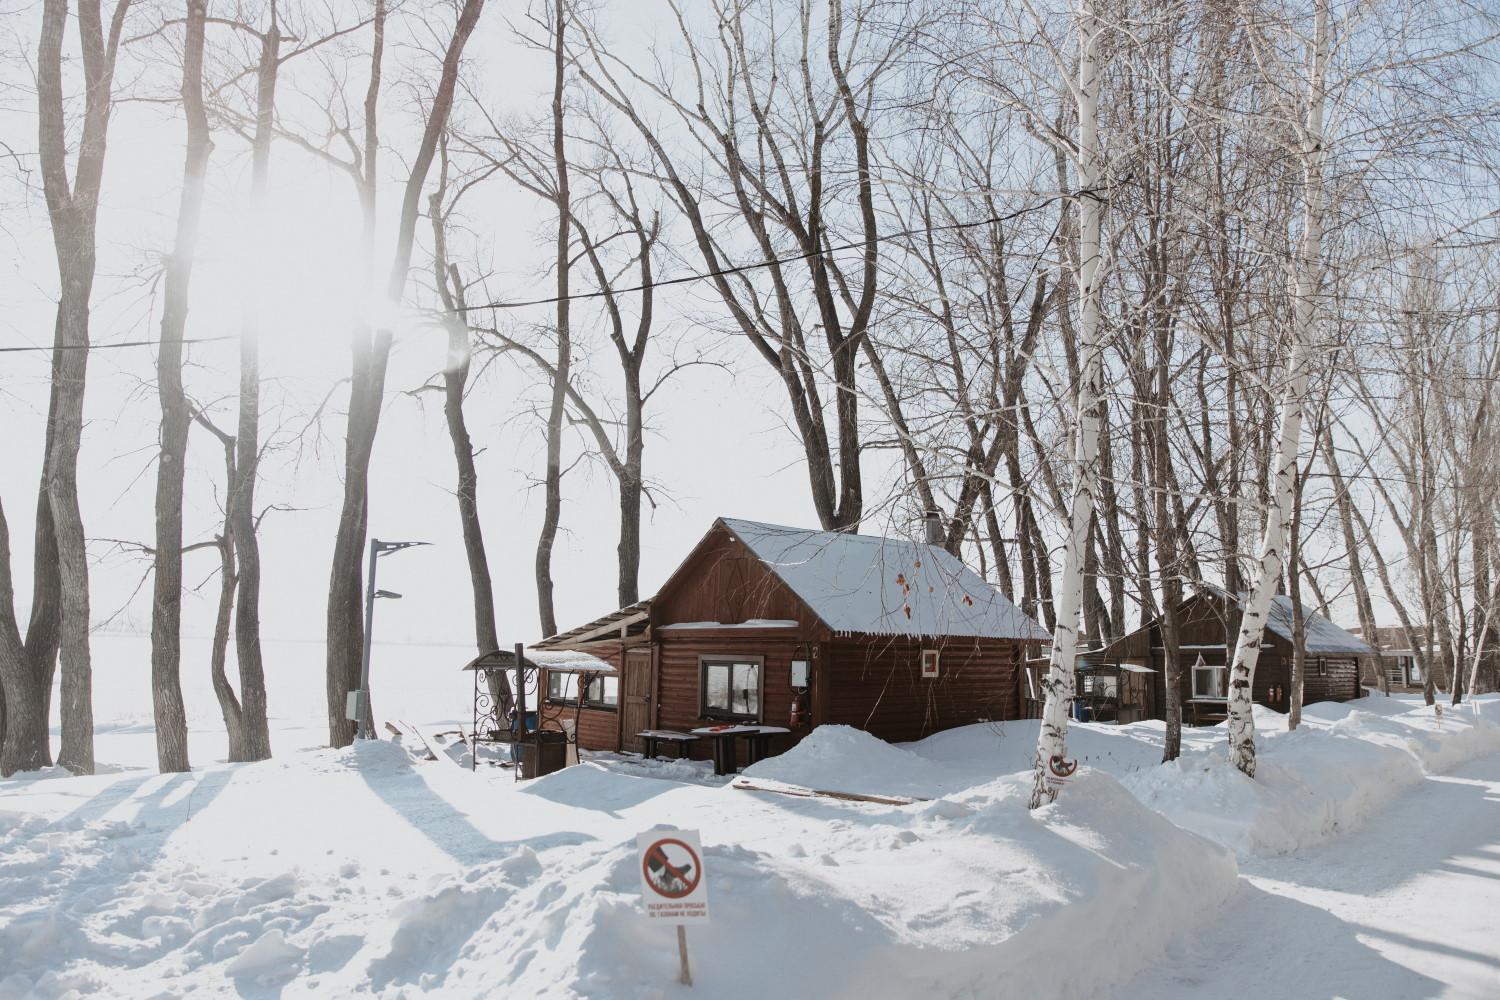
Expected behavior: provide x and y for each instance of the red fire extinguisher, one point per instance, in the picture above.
(799, 711)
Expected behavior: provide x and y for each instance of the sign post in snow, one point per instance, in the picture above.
(674, 887)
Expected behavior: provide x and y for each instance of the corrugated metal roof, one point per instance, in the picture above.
(884, 586)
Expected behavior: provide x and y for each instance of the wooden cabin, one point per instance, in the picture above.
(1397, 660)
(1333, 656)
(791, 627)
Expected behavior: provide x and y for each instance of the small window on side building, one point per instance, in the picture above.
(603, 691)
(929, 663)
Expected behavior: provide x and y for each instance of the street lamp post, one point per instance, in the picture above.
(362, 704)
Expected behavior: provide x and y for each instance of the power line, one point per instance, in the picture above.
(113, 344)
(772, 261)
(601, 293)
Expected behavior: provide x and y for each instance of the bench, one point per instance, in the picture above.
(653, 738)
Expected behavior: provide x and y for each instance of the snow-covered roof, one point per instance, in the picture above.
(1323, 636)
(749, 623)
(883, 586)
(571, 661)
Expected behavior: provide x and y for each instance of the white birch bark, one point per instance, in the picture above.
(1306, 278)
(1052, 741)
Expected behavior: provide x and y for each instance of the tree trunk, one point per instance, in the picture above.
(1363, 606)
(562, 371)
(24, 736)
(367, 388)
(72, 209)
(1166, 550)
(229, 703)
(631, 485)
(1299, 618)
(166, 611)
(26, 672)
(255, 742)
(1052, 746)
(455, 382)
(1279, 511)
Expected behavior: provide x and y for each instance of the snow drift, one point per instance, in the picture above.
(365, 872)
(1323, 779)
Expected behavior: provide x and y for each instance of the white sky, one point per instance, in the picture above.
(719, 447)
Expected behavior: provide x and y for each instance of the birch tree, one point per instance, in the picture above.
(1305, 281)
(1052, 748)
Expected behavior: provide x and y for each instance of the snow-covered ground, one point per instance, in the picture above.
(1408, 906)
(373, 871)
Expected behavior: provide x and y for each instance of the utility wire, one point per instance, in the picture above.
(664, 283)
(117, 343)
(774, 261)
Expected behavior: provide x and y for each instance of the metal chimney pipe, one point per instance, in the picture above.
(932, 523)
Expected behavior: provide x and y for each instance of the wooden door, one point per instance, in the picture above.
(635, 699)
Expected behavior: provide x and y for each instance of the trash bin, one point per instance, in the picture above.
(543, 752)
(1080, 712)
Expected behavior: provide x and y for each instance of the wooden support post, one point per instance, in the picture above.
(685, 976)
(521, 691)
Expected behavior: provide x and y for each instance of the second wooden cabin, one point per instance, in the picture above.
(780, 626)
(1204, 620)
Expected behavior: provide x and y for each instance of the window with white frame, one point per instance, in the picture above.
(1210, 680)
(929, 663)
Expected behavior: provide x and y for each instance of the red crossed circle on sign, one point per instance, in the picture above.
(672, 868)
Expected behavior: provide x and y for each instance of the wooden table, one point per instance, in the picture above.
(758, 744)
(653, 737)
(723, 741)
(1216, 709)
(757, 739)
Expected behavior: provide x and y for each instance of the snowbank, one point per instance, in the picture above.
(1343, 764)
(963, 895)
(367, 872)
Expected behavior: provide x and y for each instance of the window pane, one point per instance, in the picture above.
(1210, 682)
(746, 689)
(611, 690)
(560, 686)
(1203, 683)
(716, 693)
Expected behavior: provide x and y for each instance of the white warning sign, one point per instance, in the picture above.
(674, 885)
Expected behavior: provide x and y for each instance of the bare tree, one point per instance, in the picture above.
(451, 295)
(562, 265)
(371, 347)
(166, 612)
(72, 208)
(770, 152)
